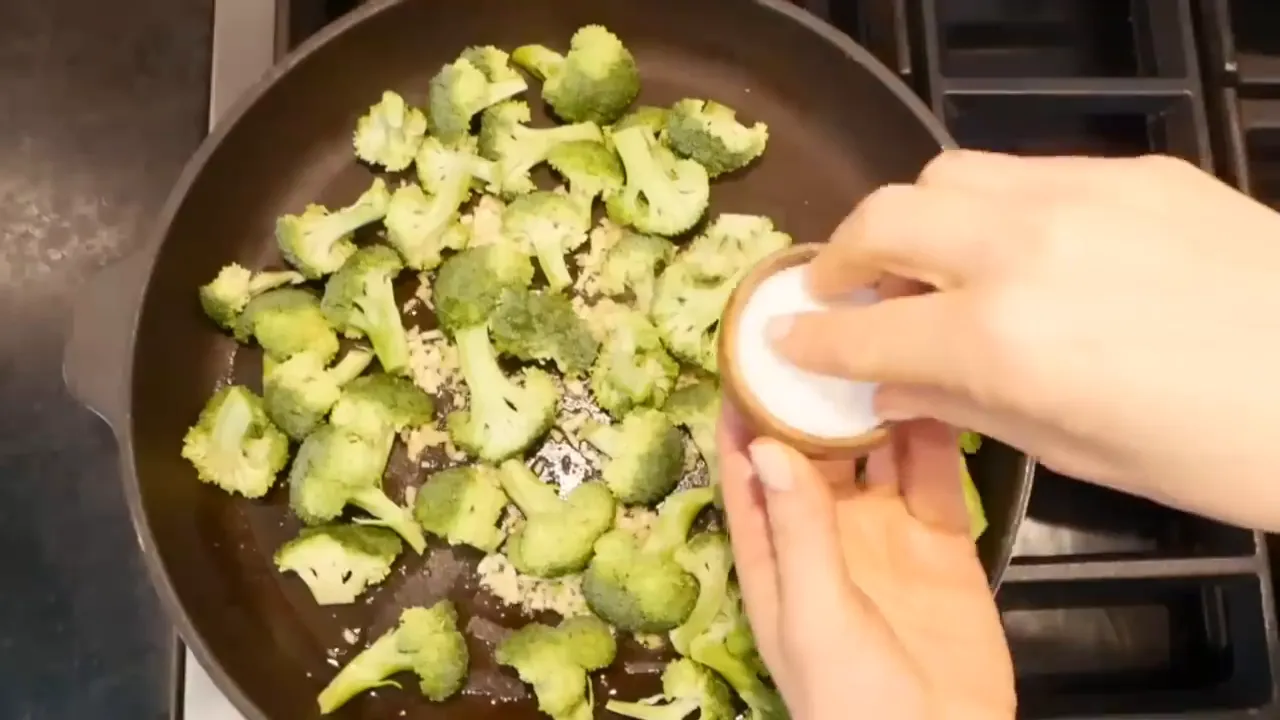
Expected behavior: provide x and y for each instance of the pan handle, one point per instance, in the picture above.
(95, 360)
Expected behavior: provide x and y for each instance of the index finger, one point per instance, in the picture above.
(940, 236)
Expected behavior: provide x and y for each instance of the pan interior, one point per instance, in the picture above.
(836, 132)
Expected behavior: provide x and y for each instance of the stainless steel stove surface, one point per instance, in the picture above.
(1113, 606)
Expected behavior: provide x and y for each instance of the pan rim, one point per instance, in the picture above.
(160, 579)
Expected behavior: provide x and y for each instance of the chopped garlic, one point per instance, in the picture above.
(561, 595)
(417, 440)
(432, 360)
(650, 641)
(423, 293)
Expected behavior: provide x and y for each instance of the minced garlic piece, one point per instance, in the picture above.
(560, 595)
(432, 360)
(417, 440)
(650, 641)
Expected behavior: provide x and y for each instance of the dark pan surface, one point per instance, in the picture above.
(837, 131)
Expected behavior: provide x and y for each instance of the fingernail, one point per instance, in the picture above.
(771, 464)
(779, 327)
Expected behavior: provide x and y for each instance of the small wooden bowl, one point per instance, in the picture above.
(761, 421)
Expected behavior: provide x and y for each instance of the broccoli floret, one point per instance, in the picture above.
(339, 562)
(663, 194)
(691, 293)
(463, 505)
(728, 647)
(556, 660)
(557, 534)
(426, 642)
(651, 119)
(516, 148)
(318, 242)
(688, 688)
(591, 170)
(287, 321)
(378, 404)
(470, 285)
(422, 227)
(595, 81)
(710, 134)
(473, 82)
(632, 368)
(537, 325)
(696, 407)
(300, 391)
(336, 467)
(732, 244)
(686, 310)
(390, 133)
(505, 415)
(234, 445)
(635, 583)
(646, 456)
(226, 296)
(708, 557)
(360, 301)
(632, 265)
(549, 225)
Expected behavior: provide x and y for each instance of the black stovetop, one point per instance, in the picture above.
(1113, 606)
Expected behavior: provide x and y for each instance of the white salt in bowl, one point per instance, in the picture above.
(819, 415)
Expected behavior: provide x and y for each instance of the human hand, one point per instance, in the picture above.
(1117, 318)
(865, 602)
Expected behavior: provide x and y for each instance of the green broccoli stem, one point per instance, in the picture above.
(551, 259)
(503, 89)
(337, 226)
(676, 710)
(234, 419)
(486, 383)
(382, 325)
(676, 517)
(350, 366)
(388, 514)
(763, 701)
(370, 669)
(527, 491)
(541, 61)
(643, 170)
(264, 281)
(713, 585)
(605, 438)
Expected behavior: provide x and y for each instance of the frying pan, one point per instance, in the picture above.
(144, 358)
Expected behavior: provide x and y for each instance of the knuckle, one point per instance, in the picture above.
(878, 211)
(1059, 234)
(951, 165)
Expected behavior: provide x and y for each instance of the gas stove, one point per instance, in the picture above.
(1113, 606)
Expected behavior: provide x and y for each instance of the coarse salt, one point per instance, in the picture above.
(820, 405)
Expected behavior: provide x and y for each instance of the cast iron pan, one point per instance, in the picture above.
(143, 356)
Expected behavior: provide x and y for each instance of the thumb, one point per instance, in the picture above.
(813, 582)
